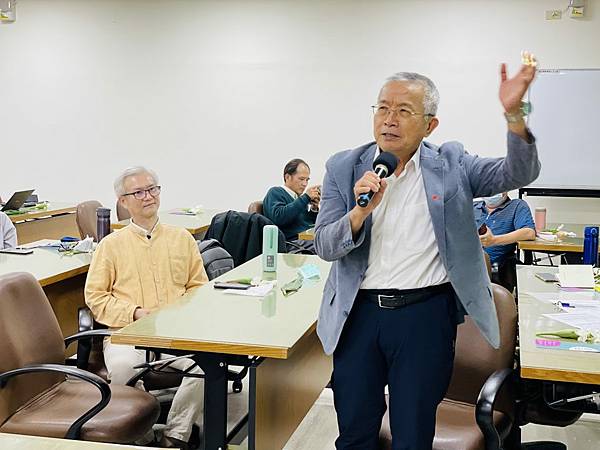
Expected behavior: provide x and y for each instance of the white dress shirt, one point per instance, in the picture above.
(295, 197)
(404, 253)
(8, 233)
(289, 191)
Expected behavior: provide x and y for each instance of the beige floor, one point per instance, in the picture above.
(319, 430)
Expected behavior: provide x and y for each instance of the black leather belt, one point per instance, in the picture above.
(398, 298)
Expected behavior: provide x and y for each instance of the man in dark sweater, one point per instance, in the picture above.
(293, 207)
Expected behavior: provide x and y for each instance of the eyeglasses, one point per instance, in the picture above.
(404, 113)
(141, 194)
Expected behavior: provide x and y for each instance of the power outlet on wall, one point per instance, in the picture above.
(553, 14)
(8, 13)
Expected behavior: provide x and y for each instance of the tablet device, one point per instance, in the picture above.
(17, 251)
(226, 285)
(547, 277)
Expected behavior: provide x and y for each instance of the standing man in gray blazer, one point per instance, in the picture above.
(408, 266)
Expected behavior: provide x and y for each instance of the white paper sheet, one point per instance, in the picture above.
(576, 276)
(566, 296)
(254, 291)
(585, 320)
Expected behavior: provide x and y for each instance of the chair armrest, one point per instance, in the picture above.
(74, 431)
(297, 247)
(86, 334)
(484, 409)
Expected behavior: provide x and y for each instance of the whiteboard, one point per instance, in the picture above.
(566, 123)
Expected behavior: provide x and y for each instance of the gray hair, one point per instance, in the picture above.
(431, 99)
(129, 172)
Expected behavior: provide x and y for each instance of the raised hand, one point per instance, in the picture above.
(513, 89)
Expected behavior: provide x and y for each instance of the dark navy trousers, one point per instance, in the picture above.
(410, 349)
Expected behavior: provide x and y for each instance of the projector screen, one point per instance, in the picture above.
(565, 119)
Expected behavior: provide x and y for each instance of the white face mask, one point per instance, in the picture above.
(494, 200)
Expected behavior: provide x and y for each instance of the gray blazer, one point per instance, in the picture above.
(452, 179)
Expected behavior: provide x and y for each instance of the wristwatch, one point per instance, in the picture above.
(524, 110)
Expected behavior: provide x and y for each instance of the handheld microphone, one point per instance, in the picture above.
(385, 164)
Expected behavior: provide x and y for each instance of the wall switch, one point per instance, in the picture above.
(553, 14)
(577, 11)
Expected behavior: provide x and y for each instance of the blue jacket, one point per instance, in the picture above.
(452, 179)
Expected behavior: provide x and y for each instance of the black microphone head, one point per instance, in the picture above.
(388, 160)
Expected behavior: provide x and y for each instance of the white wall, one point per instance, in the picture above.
(217, 96)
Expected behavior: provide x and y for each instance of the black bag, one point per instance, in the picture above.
(216, 259)
(241, 234)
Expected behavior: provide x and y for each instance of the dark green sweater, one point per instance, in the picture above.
(291, 216)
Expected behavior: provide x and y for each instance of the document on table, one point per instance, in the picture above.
(585, 320)
(583, 296)
(576, 276)
(254, 291)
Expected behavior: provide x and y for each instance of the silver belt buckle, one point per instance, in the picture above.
(380, 296)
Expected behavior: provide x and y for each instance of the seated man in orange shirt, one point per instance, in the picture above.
(137, 270)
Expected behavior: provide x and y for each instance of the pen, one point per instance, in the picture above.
(566, 305)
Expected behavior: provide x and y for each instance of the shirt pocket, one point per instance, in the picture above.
(180, 271)
(418, 228)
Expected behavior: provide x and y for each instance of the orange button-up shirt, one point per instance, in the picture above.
(130, 270)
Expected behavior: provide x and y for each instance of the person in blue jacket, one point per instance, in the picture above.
(408, 266)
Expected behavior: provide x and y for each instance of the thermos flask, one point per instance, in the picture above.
(270, 243)
(102, 223)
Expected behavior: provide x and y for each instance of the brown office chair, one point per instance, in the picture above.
(37, 397)
(475, 362)
(488, 264)
(256, 207)
(86, 218)
(122, 212)
(90, 356)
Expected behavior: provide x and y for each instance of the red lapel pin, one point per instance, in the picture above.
(435, 197)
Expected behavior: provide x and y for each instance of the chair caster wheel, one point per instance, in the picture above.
(237, 386)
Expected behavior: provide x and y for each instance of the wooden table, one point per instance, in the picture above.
(22, 442)
(308, 235)
(541, 363)
(195, 224)
(54, 222)
(288, 369)
(565, 245)
(62, 278)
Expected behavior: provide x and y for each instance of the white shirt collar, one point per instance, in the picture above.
(141, 230)
(289, 191)
(416, 158)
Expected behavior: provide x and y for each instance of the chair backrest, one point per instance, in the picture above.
(87, 220)
(475, 358)
(122, 212)
(488, 263)
(215, 258)
(256, 207)
(240, 234)
(29, 334)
